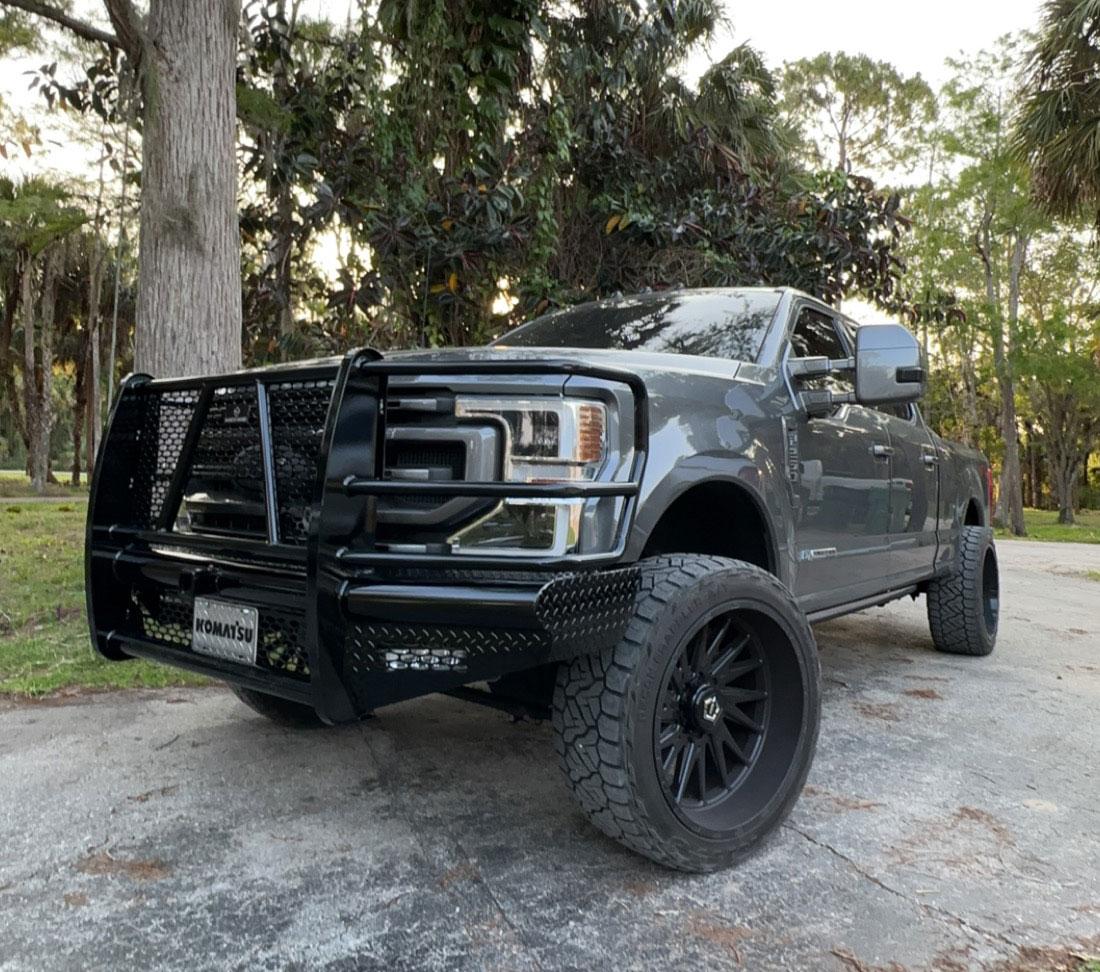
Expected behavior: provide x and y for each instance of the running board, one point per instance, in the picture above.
(875, 600)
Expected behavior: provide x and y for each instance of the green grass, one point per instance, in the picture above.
(1044, 525)
(14, 482)
(44, 643)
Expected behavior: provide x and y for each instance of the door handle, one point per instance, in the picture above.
(882, 451)
(930, 459)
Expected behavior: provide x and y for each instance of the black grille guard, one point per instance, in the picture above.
(351, 625)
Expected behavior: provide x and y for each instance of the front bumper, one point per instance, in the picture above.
(343, 626)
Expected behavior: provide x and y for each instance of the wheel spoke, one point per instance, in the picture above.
(668, 764)
(687, 764)
(719, 755)
(719, 639)
(717, 671)
(701, 769)
(669, 735)
(732, 673)
(732, 697)
(735, 714)
(724, 738)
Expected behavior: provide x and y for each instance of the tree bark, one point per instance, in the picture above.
(189, 288)
(38, 362)
(80, 408)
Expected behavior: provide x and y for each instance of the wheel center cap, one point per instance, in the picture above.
(708, 707)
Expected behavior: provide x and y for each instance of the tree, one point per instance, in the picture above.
(991, 193)
(183, 56)
(35, 223)
(1058, 126)
(1060, 361)
(557, 148)
(855, 112)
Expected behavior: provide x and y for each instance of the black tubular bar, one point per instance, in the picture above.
(355, 486)
(272, 375)
(267, 456)
(246, 676)
(203, 544)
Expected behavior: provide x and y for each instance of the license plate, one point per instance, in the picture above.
(224, 630)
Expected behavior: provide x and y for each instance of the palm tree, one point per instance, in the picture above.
(1058, 127)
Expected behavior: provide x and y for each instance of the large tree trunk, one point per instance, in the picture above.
(189, 288)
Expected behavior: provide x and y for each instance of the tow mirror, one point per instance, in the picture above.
(889, 365)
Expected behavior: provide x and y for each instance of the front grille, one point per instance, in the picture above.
(298, 410)
(163, 616)
(443, 460)
(224, 494)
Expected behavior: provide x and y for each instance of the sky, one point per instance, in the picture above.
(916, 37)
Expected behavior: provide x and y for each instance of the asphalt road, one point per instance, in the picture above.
(950, 823)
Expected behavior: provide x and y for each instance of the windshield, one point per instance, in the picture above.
(715, 324)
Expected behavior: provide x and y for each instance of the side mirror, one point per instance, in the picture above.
(889, 365)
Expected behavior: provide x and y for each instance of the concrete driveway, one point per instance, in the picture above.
(951, 822)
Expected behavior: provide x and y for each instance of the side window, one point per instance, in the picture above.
(904, 411)
(815, 336)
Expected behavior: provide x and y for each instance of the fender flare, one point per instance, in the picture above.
(739, 473)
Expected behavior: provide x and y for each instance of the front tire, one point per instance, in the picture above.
(283, 712)
(690, 740)
(963, 608)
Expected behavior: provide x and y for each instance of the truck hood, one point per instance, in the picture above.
(641, 363)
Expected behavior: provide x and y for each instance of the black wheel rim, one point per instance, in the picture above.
(991, 592)
(712, 714)
(729, 719)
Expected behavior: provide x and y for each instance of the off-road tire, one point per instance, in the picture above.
(961, 615)
(283, 712)
(606, 704)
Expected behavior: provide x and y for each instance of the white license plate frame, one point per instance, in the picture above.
(226, 630)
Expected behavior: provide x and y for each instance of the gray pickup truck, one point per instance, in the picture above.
(625, 515)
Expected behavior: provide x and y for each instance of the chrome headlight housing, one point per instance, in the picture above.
(546, 440)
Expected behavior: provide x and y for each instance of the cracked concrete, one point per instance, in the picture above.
(950, 821)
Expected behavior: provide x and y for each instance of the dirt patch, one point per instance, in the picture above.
(75, 899)
(705, 926)
(1082, 958)
(159, 792)
(881, 711)
(104, 864)
(850, 961)
(922, 693)
(970, 841)
(457, 874)
(839, 801)
(639, 888)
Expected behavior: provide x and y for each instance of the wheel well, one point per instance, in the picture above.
(714, 518)
(973, 514)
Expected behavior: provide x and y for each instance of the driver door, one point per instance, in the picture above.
(840, 484)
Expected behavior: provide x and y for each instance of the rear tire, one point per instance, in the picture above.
(690, 740)
(963, 607)
(283, 712)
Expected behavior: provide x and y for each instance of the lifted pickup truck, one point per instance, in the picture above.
(628, 513)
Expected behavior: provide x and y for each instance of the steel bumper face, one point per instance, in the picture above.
(343, 625)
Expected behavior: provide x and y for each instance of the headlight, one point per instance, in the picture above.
(546, 441)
